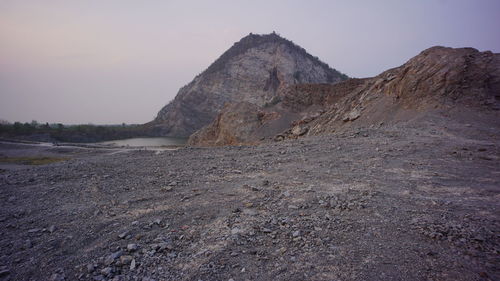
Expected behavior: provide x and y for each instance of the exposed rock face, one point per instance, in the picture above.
(255, 70)
(439, 78)
(236, 124)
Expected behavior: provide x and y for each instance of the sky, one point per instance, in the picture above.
(121, 61)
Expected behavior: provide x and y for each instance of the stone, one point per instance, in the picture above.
(235, 231)
(299, 130)
(132, 247)
(52, 228)
(57, 277)
(125, 260)
(112, 257)
(167, 188)
(91, 267)
(250, 212)
(123, 235)
(132, 265)
(352, 115)
(266, 230)
(107, 271)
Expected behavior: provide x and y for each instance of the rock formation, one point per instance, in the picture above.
(254, 70)
(439, 78)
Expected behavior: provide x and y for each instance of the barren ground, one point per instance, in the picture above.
(407, 202)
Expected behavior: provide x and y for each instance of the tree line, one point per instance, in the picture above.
(70, 133)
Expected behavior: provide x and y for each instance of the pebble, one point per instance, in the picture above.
(57, 277)
(107, 271)
(296, 233)
(123, 235)
(168, 188)
(132, 264)
(52, 228)
(266, 230)
(91, 267)
(126, 259)
(132, 247)
(111, 258)
(235, 231)
(250, 212)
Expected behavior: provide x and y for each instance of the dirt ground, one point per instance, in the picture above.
(414, 201)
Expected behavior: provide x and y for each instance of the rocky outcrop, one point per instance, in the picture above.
(254, 70)
(439, 78)
(236, 124)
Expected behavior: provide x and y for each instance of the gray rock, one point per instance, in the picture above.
(107, 271)
(52, 228)
(111, 258)
(123, 235)
(57, 277)
(91, 267)
(250, 212)
(352, 115)
(235, 231)
(132, 247)
(124, 260)
(132, 265)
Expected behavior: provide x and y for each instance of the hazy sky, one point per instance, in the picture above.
(119, 61)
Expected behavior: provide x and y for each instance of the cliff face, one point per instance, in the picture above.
(439, 78)
(255, 70)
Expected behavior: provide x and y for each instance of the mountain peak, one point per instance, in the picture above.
(255, 70)
(255, 40)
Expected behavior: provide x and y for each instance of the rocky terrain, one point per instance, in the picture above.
(394, 177)
(437, 80)
(254, 70)
(413, 201)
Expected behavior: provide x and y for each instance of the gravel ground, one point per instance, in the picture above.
(400, 202)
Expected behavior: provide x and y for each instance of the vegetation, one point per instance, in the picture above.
(70, 133)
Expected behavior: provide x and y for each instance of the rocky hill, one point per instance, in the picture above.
(437, 80)
(254, 70)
